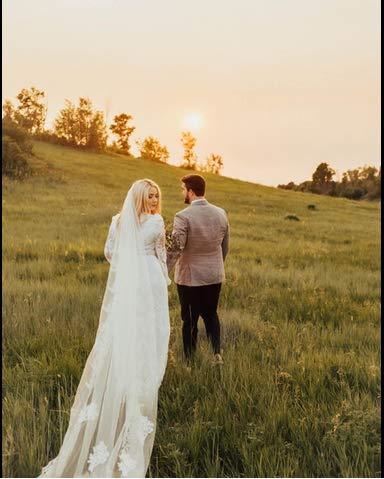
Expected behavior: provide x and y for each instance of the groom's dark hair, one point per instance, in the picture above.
(196, 183)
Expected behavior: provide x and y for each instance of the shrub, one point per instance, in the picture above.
(114, 148)
(289, 186)
(304, 186)
(292, 218)
(14, 162)
(375, 193)
(51, 137)
(18, 135)
(311, 207)
(353, 193)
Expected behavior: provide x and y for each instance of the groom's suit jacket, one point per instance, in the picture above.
(200, 241)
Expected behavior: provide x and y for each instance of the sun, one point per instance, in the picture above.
(193, 121)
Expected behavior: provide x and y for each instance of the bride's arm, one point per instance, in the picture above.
(161, 252)
(178, 240)
(108, 248)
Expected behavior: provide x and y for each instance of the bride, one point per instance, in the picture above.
(113, 418)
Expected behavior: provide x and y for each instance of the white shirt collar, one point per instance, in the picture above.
(198, 200)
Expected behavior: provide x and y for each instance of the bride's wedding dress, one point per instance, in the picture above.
(113, 418)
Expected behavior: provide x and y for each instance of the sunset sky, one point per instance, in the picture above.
(274, 86)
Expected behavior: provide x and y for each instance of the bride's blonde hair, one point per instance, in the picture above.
(140, 189)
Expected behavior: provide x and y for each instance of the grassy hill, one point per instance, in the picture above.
(299, 393)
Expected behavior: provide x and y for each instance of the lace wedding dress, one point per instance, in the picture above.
(113, 418)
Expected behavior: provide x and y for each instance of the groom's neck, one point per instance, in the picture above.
(197, 198)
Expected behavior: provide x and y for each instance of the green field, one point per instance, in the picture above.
(299, 393)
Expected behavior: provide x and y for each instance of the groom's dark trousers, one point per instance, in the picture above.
(199, 301)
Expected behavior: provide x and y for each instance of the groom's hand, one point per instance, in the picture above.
(225, 243)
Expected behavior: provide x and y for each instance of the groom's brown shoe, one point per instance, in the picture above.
(217, 359)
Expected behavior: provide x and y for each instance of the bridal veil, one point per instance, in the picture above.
(112, 421)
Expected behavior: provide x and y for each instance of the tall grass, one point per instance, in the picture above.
(299, 393)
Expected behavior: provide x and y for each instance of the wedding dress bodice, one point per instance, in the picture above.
(153, 233)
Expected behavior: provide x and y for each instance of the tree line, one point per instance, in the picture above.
(359, 183)
(80, 125)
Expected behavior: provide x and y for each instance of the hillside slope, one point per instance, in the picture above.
(299, 392)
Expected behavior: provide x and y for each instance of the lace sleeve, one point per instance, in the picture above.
(108, 248)
(161, 252)
(179, 239)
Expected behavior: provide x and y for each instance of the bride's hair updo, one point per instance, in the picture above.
(140, 189)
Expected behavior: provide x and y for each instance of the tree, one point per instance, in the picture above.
(189, 157)
(323, 174)
(214, 164)
(81, 126)
(361, 182)
(351, 177)
(369, 173)
(8, 111)
(65, 123)
(120, 127)
(376, 192)
(31, 111)
(151, 149)
(98, 132)
(84, 117)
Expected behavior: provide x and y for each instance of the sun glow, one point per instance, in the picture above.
(193, 122)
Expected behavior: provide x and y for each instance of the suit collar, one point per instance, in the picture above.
(202, 201)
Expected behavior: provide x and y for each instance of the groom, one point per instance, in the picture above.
(200, 240)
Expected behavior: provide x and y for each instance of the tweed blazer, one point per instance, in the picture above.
(200, 243)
